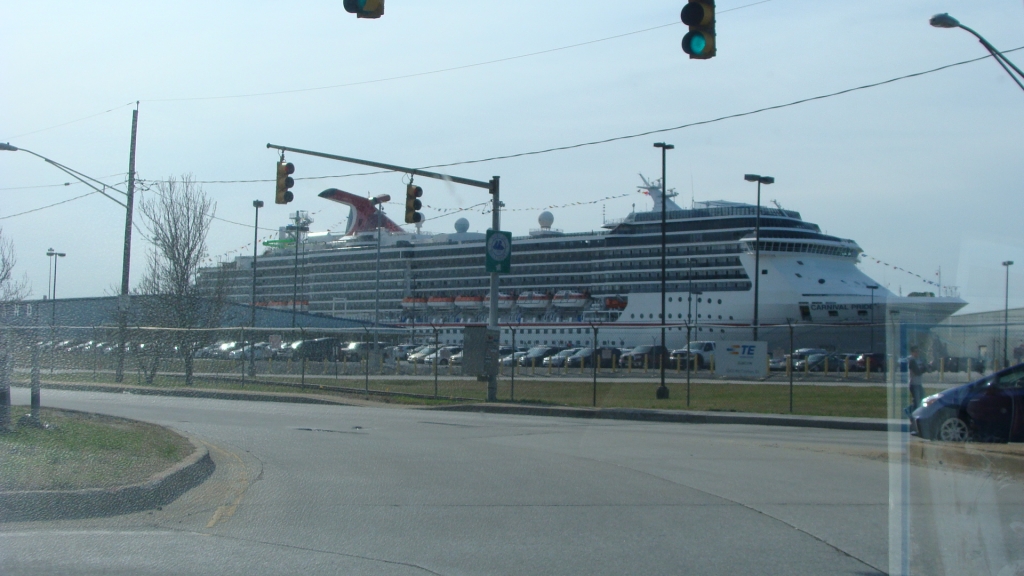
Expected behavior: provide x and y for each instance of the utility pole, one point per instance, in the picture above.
(123, 302)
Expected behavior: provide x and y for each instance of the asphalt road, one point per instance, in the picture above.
(374, 490)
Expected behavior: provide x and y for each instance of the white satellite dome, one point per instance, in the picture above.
(546, 219)
(462, 225)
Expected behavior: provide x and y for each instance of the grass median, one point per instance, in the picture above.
(831, 400)
(80, 450)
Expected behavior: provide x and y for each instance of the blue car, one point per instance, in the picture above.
(989, 409)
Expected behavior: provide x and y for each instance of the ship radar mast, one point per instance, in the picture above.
(653, 189)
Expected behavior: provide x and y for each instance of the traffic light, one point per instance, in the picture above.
(699, 42)
(365, 8)
(412, 204)
(284, 182)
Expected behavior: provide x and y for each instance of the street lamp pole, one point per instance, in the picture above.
(257, 204)
(872, 287)
(757, 240)
(662, 392)
(946, 21)
(53, 295)
(1006, 314)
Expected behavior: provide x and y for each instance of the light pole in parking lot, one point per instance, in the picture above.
(1006, 313)
(872, 287)
(757, 238)
(662, 392)
(54, 256)
(257, 204)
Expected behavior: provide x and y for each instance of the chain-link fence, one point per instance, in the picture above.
(559, 365)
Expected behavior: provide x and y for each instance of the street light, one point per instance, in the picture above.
(53, 294)
(757, 239)
(872, 287)
(128, 205)
(946, 21)
(257, 204)
(1006, 313)
(662, 392)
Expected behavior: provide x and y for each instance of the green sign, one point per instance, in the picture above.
(499, 251)
(281, 242)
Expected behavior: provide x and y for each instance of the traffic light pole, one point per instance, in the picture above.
(491, 186)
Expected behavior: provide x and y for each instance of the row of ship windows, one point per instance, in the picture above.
(808, 248)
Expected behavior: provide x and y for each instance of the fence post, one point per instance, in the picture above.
(867, 368)
(35, 381)
(942, 369)
(5, 384)
(846, 367)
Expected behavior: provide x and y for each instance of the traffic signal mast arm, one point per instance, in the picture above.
(414, 171)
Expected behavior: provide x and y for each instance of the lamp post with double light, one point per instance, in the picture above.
(53, 286)
(257, 204)
(757, 239)
(662, 392)
(1006, 314)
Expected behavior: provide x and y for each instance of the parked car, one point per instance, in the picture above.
(877, 362)
(989, 409)
(535, 356)
(608, 357)
(653, 355)
(417, 356)
(317, 350)
(399, 352)
(955, 364)
(513, 358)
(442, 355)
(704, 351)
(261, 351)
(357, 351)
(558, 360)
(820, 362)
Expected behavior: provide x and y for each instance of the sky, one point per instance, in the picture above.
(924, 173)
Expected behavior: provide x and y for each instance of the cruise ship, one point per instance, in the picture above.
(564, 285)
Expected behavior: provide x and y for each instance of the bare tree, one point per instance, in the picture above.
(10, 289)
(178, 220)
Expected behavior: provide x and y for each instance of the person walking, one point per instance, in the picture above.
(916, 369)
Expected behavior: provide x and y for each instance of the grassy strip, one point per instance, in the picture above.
(848, 401)
(80, 450)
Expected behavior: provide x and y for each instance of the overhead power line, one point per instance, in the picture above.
(623, 137)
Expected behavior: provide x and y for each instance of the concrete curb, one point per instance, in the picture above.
(677, 416)
(162, 488)
(1000, 459)
(197, 393)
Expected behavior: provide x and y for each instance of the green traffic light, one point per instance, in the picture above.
(697, 44)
